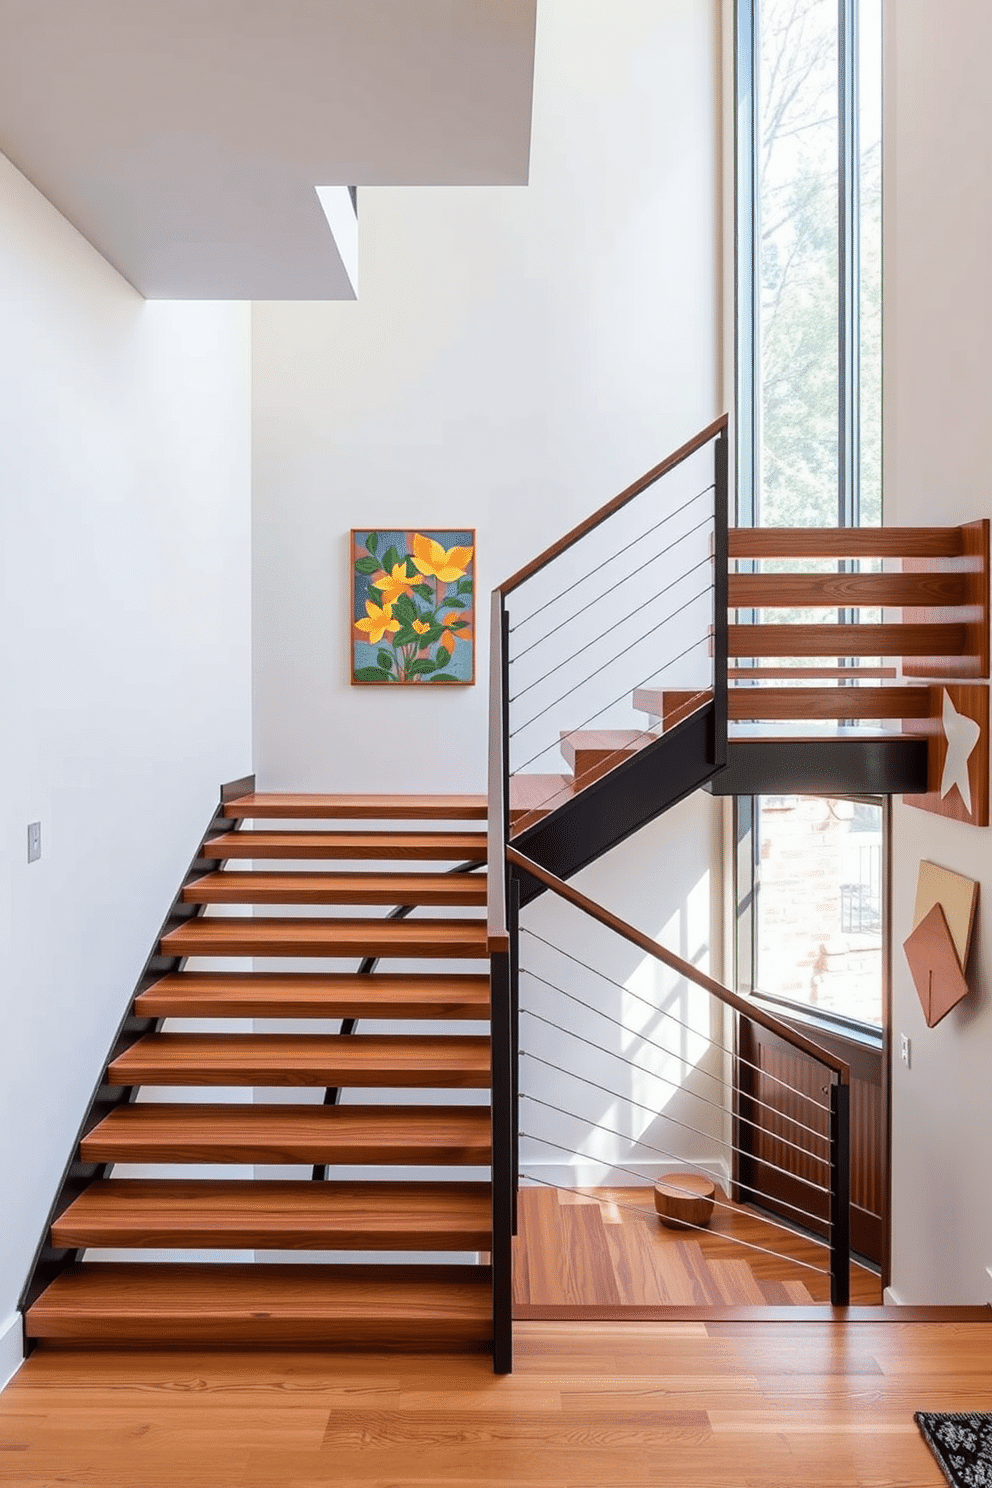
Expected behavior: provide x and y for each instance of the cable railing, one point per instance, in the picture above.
(631, 602)
(621, 1083)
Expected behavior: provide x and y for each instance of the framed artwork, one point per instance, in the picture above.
(413, 606)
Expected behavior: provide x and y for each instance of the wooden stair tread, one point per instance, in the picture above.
(303, 1059)
(276, 806)
(827, 639)
(344, 1307)
(247, 994)
(276, 936)
(269, 1214)
(239, 1133)
(827, 702)
(246, 887)
(426, 846)
(533, 797)
(598, 744)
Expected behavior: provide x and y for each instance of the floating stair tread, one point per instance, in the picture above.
(827, 639)
(276, 806)
(275, 1215)
(247, 994)
(146, 1131)
(373, 936)
(303, 1059)
(422, 846)
(245, 887)
(344, 1307)
(591, 747)
(533, 797)
(827, 702)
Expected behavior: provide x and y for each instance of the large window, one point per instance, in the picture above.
(810, 870)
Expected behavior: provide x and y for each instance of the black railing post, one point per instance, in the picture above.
(721, 497)
(840, 1193)
(513, 927)
(503, 1174)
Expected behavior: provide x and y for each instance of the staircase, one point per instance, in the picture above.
(330, 914)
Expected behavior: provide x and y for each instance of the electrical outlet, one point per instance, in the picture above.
(34, 841)
(905, 1049)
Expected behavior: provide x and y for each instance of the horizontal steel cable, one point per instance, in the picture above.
(724, 1084)
(660, 1115)
(635, 1209)
(703, 563)
(547, 634)
(618, 554)
(811, 1100)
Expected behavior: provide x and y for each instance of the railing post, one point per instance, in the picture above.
(503, 1175)
(513, 926)
(721, 564)
(840, 1193)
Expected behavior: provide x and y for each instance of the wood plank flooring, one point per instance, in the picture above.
(576, 1250)
(695, 1405)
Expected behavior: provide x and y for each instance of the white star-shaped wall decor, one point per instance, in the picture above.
(962, 734)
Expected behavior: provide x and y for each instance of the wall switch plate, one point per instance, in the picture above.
(34, 841)
(905, 1050)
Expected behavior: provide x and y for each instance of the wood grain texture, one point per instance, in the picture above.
(149, 1132)
(132, 1305)
(280, 806)
(243, 886)
(824, 1402)
(743, 672)
(971, 700)
(304, 1059)
(386, 846)
(267, 1214)
(846, 640)
(534, 796)
(844, 542)
(234, 936)
(844, 590)
(827, 702)
(301, 994)
(972, 568)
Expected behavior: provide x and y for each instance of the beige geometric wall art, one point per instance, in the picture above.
(958, 762)
(937, 949)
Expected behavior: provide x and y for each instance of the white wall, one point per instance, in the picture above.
(517, 356)
(938, 391)
(124, 657)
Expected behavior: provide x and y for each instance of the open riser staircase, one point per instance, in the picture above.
(631, 664)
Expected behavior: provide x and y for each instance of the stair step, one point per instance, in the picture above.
(359, 1308)
(300, 994)
(533, 797)
(277, 1215)
(245, 887)
(671, 707)
(276, 806)
(304, 1059)
(594, 752)
(422, 846)
(230, 936)
(147, 1132)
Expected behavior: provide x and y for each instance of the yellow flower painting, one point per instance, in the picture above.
(413, 606)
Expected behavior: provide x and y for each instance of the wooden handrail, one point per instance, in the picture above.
(497, 935)
(591, 523)
(686, 969)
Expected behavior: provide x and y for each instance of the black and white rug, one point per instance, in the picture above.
(962, 1445)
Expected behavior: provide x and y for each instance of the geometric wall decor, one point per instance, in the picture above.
(958, 758)
(940, 943)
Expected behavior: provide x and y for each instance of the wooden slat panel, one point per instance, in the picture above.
(304, 1059)
(420, 846)
(852, 591)
(973, 568)
(846, 640)
(264, 936)
(277, 1215)
(844, 542)
(242, 886)
(416, 1308)
(744, 703)
(743, 672)
(300, 994)
(145, 1131)
(276, 806)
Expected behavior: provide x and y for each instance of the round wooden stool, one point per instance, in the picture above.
(684, 1199)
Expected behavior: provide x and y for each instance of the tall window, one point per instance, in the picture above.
(810, 870)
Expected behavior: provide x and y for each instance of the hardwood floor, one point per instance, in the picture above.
(572, 1250)
(757, 1405)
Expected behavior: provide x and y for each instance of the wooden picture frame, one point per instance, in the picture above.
(412, 606)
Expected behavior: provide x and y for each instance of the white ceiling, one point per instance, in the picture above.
(186, 139)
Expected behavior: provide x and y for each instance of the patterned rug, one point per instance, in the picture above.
(962, 1445)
